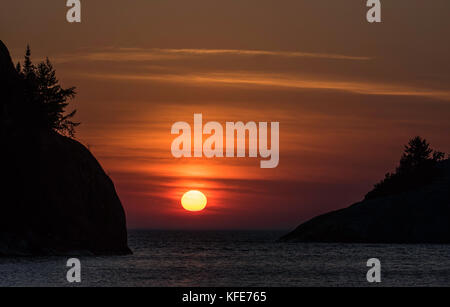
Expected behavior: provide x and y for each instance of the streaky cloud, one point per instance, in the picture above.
(154, 54)
(282, 81)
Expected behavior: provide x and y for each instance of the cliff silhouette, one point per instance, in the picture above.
(55, 197)
(417, 215)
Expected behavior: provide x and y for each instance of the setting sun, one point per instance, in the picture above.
(194, 201)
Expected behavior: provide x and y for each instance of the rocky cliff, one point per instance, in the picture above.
(55, 197)
(417, 216)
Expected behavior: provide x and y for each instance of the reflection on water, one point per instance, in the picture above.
(237, 258)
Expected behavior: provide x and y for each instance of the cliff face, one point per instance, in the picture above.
(417, 216)
(55, 197)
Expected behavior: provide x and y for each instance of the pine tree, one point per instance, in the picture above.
(19, 68)
(417, 167)
(418, 153)
(46, 97)
(28, 67)
(54, 99)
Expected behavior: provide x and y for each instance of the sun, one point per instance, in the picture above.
(194, 201)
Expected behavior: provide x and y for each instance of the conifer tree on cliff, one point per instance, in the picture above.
(47, 98)
(417, 167)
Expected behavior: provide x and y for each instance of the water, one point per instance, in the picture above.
(230, 258)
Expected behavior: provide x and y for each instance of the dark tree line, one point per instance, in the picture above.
(418, 166)
(47, 98)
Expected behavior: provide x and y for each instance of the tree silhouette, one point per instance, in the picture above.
(19, 69)
(417, 154)
(46, 96)
(418, 166)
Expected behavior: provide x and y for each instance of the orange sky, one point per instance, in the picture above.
(347, 95)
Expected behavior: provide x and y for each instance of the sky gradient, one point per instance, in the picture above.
(348, 95)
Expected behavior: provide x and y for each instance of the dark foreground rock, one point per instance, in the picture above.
(418, 216)
(55, 198)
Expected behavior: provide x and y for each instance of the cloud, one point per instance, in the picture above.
(290, 54)
(157, 54)
(187, 66)
(280, 80)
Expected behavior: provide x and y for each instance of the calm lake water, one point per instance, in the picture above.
(237, 258)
